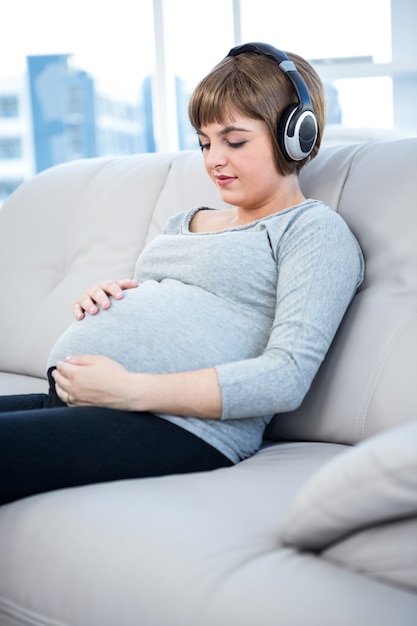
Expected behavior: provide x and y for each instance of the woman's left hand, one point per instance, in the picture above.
(100, 381)
(92, 381)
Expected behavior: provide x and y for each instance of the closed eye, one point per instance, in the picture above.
(237, 144)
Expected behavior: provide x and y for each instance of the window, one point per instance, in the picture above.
(322, 29)
(10, 148)
(114, 76)
(334, 38)
(9, 106)
(194, 36)
(370, 72)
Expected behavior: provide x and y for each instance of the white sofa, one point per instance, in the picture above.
(320, 527)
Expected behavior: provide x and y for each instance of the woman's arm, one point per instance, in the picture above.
(100, 381)
(320, 267)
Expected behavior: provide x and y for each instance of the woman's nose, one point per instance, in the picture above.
(215, 156)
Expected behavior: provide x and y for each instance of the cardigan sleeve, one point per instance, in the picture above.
(320, 267)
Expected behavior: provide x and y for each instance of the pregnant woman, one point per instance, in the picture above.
(228, 317)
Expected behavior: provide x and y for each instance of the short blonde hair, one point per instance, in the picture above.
(254, 85)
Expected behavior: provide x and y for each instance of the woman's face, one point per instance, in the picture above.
(238, 157)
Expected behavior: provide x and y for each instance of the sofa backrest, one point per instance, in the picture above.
(85, 221)
(368, 381)
(75, 224)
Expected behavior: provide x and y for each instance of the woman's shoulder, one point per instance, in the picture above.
(198, 220)
(311, 212)
(317, 214)
(317, 227)
(180, 222)
(310, 223)
(176, 223)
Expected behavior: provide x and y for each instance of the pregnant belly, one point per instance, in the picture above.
(166, 327)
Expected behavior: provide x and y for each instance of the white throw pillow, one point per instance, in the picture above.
(373, 483)
(387, 552)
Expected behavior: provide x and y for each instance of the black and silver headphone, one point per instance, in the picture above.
(298, 128)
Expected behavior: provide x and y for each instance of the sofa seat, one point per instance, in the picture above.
(180, 551)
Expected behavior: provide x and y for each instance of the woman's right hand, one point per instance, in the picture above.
(98, 296)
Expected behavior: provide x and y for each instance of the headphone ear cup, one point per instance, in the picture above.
(297, 133)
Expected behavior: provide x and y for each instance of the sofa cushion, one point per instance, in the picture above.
(373, 483)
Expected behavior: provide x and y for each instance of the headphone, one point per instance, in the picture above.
(298, 128)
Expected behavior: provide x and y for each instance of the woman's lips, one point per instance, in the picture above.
(223, 181)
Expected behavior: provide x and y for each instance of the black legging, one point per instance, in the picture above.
(47, 445)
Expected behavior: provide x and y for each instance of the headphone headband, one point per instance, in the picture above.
(298, 128)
